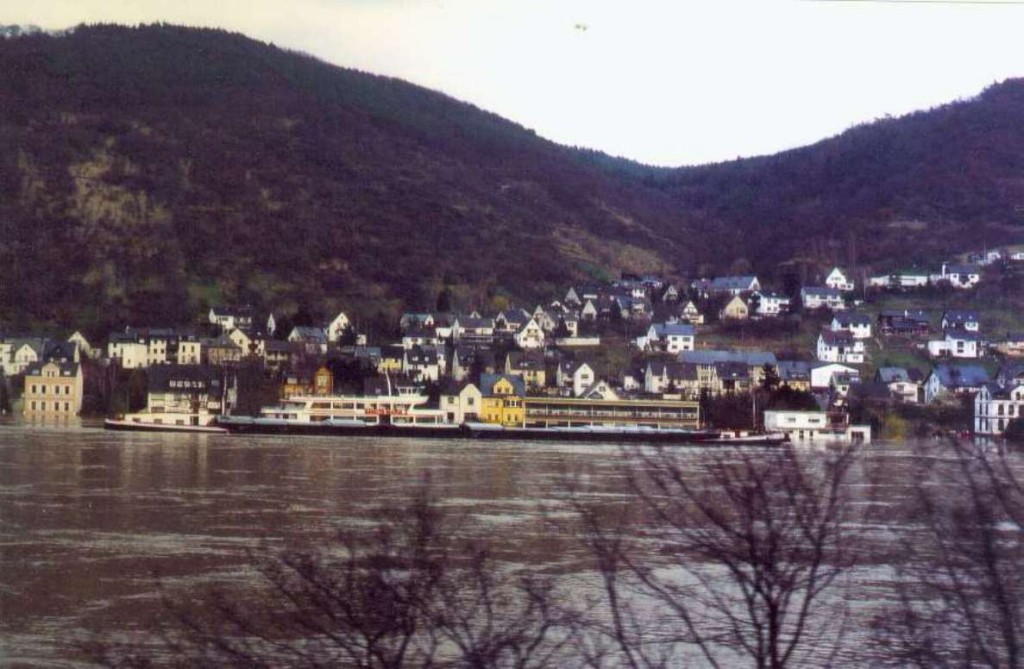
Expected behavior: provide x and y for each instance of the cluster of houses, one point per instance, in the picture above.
(546, 352)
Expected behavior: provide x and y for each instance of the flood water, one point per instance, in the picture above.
(91, 521)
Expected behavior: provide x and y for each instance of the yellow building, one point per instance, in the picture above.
(502, 401)
(323, 382)
(53, 389)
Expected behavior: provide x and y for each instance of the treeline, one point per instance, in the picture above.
(164, 168)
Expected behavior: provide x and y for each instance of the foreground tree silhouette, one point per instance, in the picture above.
(745, 552)
(960, 593)
(402, 595)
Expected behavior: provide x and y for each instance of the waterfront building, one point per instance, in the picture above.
(995, 406)
(502, 398)
(53, 388)
(811, 426)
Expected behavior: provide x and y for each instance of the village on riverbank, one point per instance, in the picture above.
(908, 353)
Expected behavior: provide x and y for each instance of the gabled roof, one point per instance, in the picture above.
(848, 318)
(834, 338)
(892, 374)
(724, 283)
(960, 316)
(961, 376)
(793, 370)
(674, 329)
(65, 368)
(488, 381)
(710, 357)
(821, 292)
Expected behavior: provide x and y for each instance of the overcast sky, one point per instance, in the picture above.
(675, 82)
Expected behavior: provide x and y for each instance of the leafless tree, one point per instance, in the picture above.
(405, 594)
(960, 593)
(722, 559)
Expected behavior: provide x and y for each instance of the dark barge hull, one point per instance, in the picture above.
(238, 425)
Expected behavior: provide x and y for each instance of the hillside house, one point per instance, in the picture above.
(961, 319)
(573, 377)
(229, 318)
(795, 374)
(955, 344)
(837, 279)
(826, 375)
(904, 323)
(905, 385)
(770, 304)
(691, 314)
(812, 298)
(947, 380)
(734, 309)
(733, 285)
(530, 366)
(337, 328)
(840, 346)
(1011, 345)
(857, 324)
(668, 337)
(530, 336)
(960, 276)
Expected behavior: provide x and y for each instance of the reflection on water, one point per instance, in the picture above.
(88, 518)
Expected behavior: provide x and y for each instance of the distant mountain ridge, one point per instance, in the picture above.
(151, 172)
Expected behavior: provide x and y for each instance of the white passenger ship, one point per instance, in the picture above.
(401, 410)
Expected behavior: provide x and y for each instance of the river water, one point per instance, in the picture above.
(91, 521)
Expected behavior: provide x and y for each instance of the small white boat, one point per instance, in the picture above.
(165, 421)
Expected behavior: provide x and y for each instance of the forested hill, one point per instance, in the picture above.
(897, 191)
(148, 172)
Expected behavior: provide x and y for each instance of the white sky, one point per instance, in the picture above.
(673, 82)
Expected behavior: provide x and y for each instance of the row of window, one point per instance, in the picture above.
(64, 407)
(43, 389)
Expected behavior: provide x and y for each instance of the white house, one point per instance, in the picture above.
(809, 426)
(337, 327)
(574, 376)
(821, 298)
(461, 402)
(903, 385)
(734, 285)
(960, 276)
(824, 375)
(691, 313)
(858, 325)
(530, 335)
(771, 304)
(956, 344)
(228, 318)
(960, 319)
(840, 346)
(670, 337)
(995, 406)
(837, 279)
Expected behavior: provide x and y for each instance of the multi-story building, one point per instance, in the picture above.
(53, 388)
(995, 406)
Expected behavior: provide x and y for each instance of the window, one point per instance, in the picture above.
(470, 401)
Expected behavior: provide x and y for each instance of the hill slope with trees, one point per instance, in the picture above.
(150, 172)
